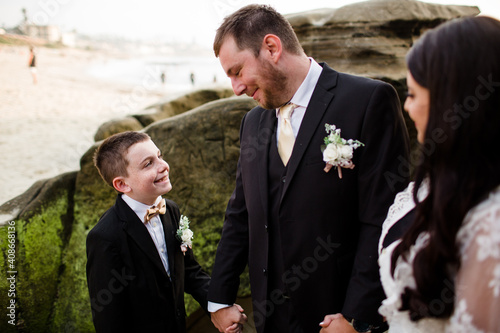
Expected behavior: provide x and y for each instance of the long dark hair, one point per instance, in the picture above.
(459, 63)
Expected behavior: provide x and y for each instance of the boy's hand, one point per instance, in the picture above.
(230, 319)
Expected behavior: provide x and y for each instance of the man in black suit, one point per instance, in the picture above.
(309, 236)
(137, 271)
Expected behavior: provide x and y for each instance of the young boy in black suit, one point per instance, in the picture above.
(136, 270)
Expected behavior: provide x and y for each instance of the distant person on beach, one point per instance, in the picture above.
(191, 76)
(137, 268)
(32, 65)
(162, 77)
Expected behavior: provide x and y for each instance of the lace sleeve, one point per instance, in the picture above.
(477, 304)
(403, 203)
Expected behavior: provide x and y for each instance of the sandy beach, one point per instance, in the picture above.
(46, 127)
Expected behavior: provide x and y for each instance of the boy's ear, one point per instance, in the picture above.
(120, 185)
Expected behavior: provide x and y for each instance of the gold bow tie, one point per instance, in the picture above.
(155, 210)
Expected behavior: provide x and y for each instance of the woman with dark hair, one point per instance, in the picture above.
(443, 275)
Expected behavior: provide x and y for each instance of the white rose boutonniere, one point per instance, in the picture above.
(338, 152)
(184, 234)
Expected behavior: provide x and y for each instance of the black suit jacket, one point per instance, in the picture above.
(129, 288)
(329, 226)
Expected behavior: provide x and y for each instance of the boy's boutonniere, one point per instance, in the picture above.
(337, 151)
(184, 234)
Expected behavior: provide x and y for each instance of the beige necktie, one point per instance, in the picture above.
(155, 210)
(286, 139)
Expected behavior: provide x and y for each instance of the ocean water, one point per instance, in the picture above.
(181, 74)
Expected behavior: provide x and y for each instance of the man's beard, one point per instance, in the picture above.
(275, 91)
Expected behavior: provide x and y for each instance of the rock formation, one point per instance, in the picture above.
(370, 38)
(165, 109)
(161, 110)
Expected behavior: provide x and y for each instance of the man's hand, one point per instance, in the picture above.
(230, 319)
(336, 323)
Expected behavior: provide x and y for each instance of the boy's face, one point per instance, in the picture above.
(148, 173)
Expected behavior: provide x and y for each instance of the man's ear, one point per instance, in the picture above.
(120, 185)
(271, 45)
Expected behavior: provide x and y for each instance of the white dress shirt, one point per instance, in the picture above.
(301, 98)
(154, 226)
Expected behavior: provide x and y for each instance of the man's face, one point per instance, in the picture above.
(258, 77)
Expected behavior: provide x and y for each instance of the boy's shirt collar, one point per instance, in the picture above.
(139, 208)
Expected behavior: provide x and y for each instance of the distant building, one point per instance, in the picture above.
(50, 33)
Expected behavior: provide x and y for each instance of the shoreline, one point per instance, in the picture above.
(46, 127)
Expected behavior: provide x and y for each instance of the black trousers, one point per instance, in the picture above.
(283, 319)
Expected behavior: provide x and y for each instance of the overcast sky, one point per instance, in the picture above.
(163, 20)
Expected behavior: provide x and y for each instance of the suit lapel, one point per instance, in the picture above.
(320, 100)
(139, 233)
(267, 125)
(168, 229)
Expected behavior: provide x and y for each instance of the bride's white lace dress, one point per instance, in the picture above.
(477, 283)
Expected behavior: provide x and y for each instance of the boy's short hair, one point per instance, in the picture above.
(109, 157)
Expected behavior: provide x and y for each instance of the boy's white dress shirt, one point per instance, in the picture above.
(155, 227)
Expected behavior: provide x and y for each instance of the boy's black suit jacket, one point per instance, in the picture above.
(129, 288)
(329, 226)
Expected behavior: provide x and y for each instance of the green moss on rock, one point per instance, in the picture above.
(92, 198)
(72, 308)
(40, 242)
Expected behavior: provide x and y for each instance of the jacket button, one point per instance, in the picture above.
(283, 179)
(265, 226)
(264, 271)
